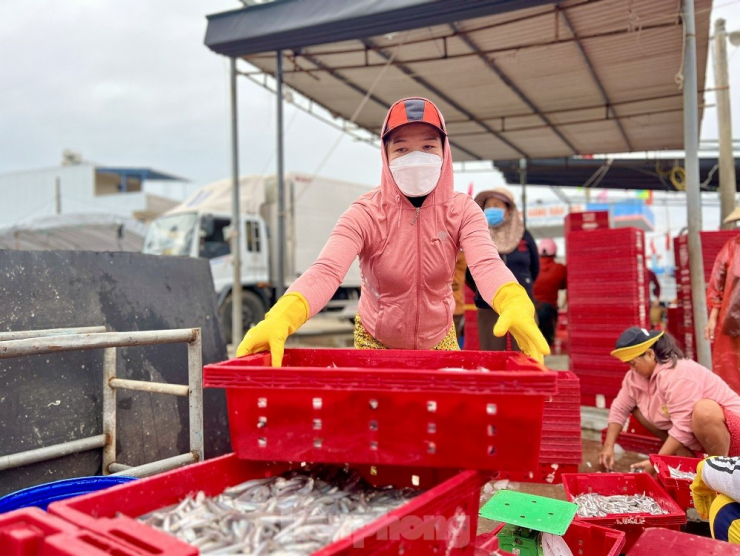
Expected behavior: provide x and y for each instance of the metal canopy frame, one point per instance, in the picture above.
(619, 53)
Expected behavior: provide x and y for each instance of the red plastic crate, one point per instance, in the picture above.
(549, 473)
(33, 532)
(582, 539)
(642, 444)
(25, 532)
(711, 244)
(609, 484)
(343, 406)
(665, 541)
(679, 489)
(443, 519)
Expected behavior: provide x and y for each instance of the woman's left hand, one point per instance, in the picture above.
(644, 466)
(516, 315)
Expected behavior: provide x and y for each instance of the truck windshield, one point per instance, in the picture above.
(171, 235)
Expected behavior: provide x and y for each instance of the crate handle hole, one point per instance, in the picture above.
(261, 422)
(317, 403)
(373, 425)
(317, 424)
(415, 480)
(317, 442)
(431, 406)
(373, 404)
(432, 448)
(261, 402)
(262, 442)
(492, 450)
(491, 409)
(491, 430)
(373, 445)
(432, 428)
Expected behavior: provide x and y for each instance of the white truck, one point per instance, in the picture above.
(200, 227)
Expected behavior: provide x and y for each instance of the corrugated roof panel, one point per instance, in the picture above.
(540, 140)
(550, 77)
(634, 48)
(472, 84)
(487, 147)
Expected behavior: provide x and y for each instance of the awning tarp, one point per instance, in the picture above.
(295, 24)
(513, 79)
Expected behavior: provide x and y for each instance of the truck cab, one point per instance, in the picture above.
(206, 234)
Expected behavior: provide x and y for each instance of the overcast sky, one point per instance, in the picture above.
(131, 83)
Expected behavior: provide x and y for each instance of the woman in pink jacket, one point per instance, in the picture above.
(675, 398)
(407, 233)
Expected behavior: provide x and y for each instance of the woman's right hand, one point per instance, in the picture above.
(606, 457)
(711, 326)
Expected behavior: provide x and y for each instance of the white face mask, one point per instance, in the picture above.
(416, 173)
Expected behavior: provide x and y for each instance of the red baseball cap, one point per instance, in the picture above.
(413, 110)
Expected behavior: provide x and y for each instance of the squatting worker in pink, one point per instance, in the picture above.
(407, 233)
(679, 401)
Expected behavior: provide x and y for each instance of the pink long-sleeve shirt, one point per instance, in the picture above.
(667, 400)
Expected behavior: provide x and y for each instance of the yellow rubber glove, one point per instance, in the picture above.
(516, 315)
(703, 495)
(287, 316)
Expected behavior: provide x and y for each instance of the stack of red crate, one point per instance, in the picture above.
(561, 449)
(711, 244)
(606, 294)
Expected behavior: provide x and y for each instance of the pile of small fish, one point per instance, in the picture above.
(676, 473)
(598, 505)
(294, 514)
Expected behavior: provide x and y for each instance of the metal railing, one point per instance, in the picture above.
(56, 340)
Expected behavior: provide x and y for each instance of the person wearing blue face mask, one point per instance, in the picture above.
(517, 248)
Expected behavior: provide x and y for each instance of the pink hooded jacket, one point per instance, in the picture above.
(407, 259)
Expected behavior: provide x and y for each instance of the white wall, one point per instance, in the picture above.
(31, 194)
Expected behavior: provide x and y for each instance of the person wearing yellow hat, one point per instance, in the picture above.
(679, 401)
(723, 301)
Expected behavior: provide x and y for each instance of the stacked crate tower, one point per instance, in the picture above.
(711, 244)
(607, 293)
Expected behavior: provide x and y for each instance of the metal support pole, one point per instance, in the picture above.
(117, 467)
(58, 196)
(727, 185)
(109, 409)
(280, 285)
(158, 466)
(693, 197)
(51, 452)
(237, 327)
(151, 387)
(57, 344)
(523, 183)
(25, 334)
(195, 382)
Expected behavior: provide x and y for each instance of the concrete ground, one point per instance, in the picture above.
(328, 332)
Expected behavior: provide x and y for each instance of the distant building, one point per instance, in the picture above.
(78, 187)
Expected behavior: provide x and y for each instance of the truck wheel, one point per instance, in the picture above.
(253, 311)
